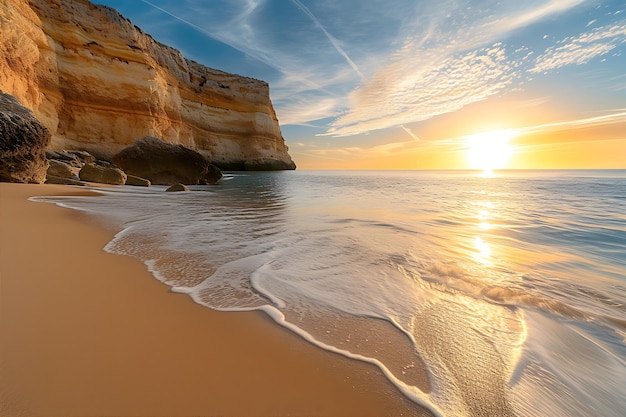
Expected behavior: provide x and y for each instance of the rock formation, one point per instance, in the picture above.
(162, 163)
(98, 83)
(23, 142)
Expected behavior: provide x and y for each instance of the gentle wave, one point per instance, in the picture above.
(475, 296)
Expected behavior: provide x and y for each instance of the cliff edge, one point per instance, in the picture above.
(98, 83)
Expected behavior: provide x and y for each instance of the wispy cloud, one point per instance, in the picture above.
(614, 117)
(330, 37)
(458, 144)
(455, 61)
(582, 49)
(410, 132)
(416, 59)
(413, 90)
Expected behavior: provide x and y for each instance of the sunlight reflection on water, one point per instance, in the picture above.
(449, 266)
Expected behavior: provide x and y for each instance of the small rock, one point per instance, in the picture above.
(51, 179)
(82, 156)
(102, 175)
(50, 154)
(60, 169)
(137, 181)
(213, 175)
(177, 187)
(63, 156)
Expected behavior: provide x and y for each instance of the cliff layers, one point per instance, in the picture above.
(98, 83)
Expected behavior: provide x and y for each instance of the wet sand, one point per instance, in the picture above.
(84, 332)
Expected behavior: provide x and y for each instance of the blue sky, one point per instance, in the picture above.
(355, 79)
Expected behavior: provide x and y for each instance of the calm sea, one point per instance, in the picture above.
(475, 296)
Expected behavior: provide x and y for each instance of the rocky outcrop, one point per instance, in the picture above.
(102, 175)
(162, 163)
(98, 83)
(23, 142)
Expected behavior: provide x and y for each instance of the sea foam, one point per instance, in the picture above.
(474, 296)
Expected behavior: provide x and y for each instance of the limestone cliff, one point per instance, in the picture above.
(98, 83)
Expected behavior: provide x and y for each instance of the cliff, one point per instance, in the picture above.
(98, 83)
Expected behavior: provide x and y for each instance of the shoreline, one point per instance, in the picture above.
(85, 332)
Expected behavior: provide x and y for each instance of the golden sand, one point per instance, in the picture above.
(84, 332)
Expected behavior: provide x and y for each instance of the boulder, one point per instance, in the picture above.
(213, 175)
(161, 162)
(23, 142)
(177, 187)
(137, 181)
(102, 175)
(60, 169)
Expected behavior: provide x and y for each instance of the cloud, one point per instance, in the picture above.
(581, 49)
(313, 74)
(410, 132)
(614, 117)
(332, 40)
(452, 58)
(416, 59)
(423, 87)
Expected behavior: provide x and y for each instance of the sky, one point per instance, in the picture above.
(416, 84)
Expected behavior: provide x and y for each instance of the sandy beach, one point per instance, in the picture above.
(84, 332)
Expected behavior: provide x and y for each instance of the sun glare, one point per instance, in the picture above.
(489, 150)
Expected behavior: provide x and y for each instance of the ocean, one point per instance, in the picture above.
(476, 296)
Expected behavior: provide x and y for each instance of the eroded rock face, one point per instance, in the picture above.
(97, 83)
(162, 163)
(23, 142)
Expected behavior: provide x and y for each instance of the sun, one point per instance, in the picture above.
(489, 150)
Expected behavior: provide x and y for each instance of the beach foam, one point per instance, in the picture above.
(438, 279)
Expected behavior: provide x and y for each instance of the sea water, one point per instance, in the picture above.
(502, 295)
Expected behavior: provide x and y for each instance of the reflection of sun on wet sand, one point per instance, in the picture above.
(476, 355)
(84, 332)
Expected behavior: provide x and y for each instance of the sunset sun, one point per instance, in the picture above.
(489, 150)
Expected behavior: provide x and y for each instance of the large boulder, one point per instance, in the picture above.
(162, 163)
(23, 142)
(102, 175)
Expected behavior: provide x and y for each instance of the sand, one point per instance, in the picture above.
(84, 332)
